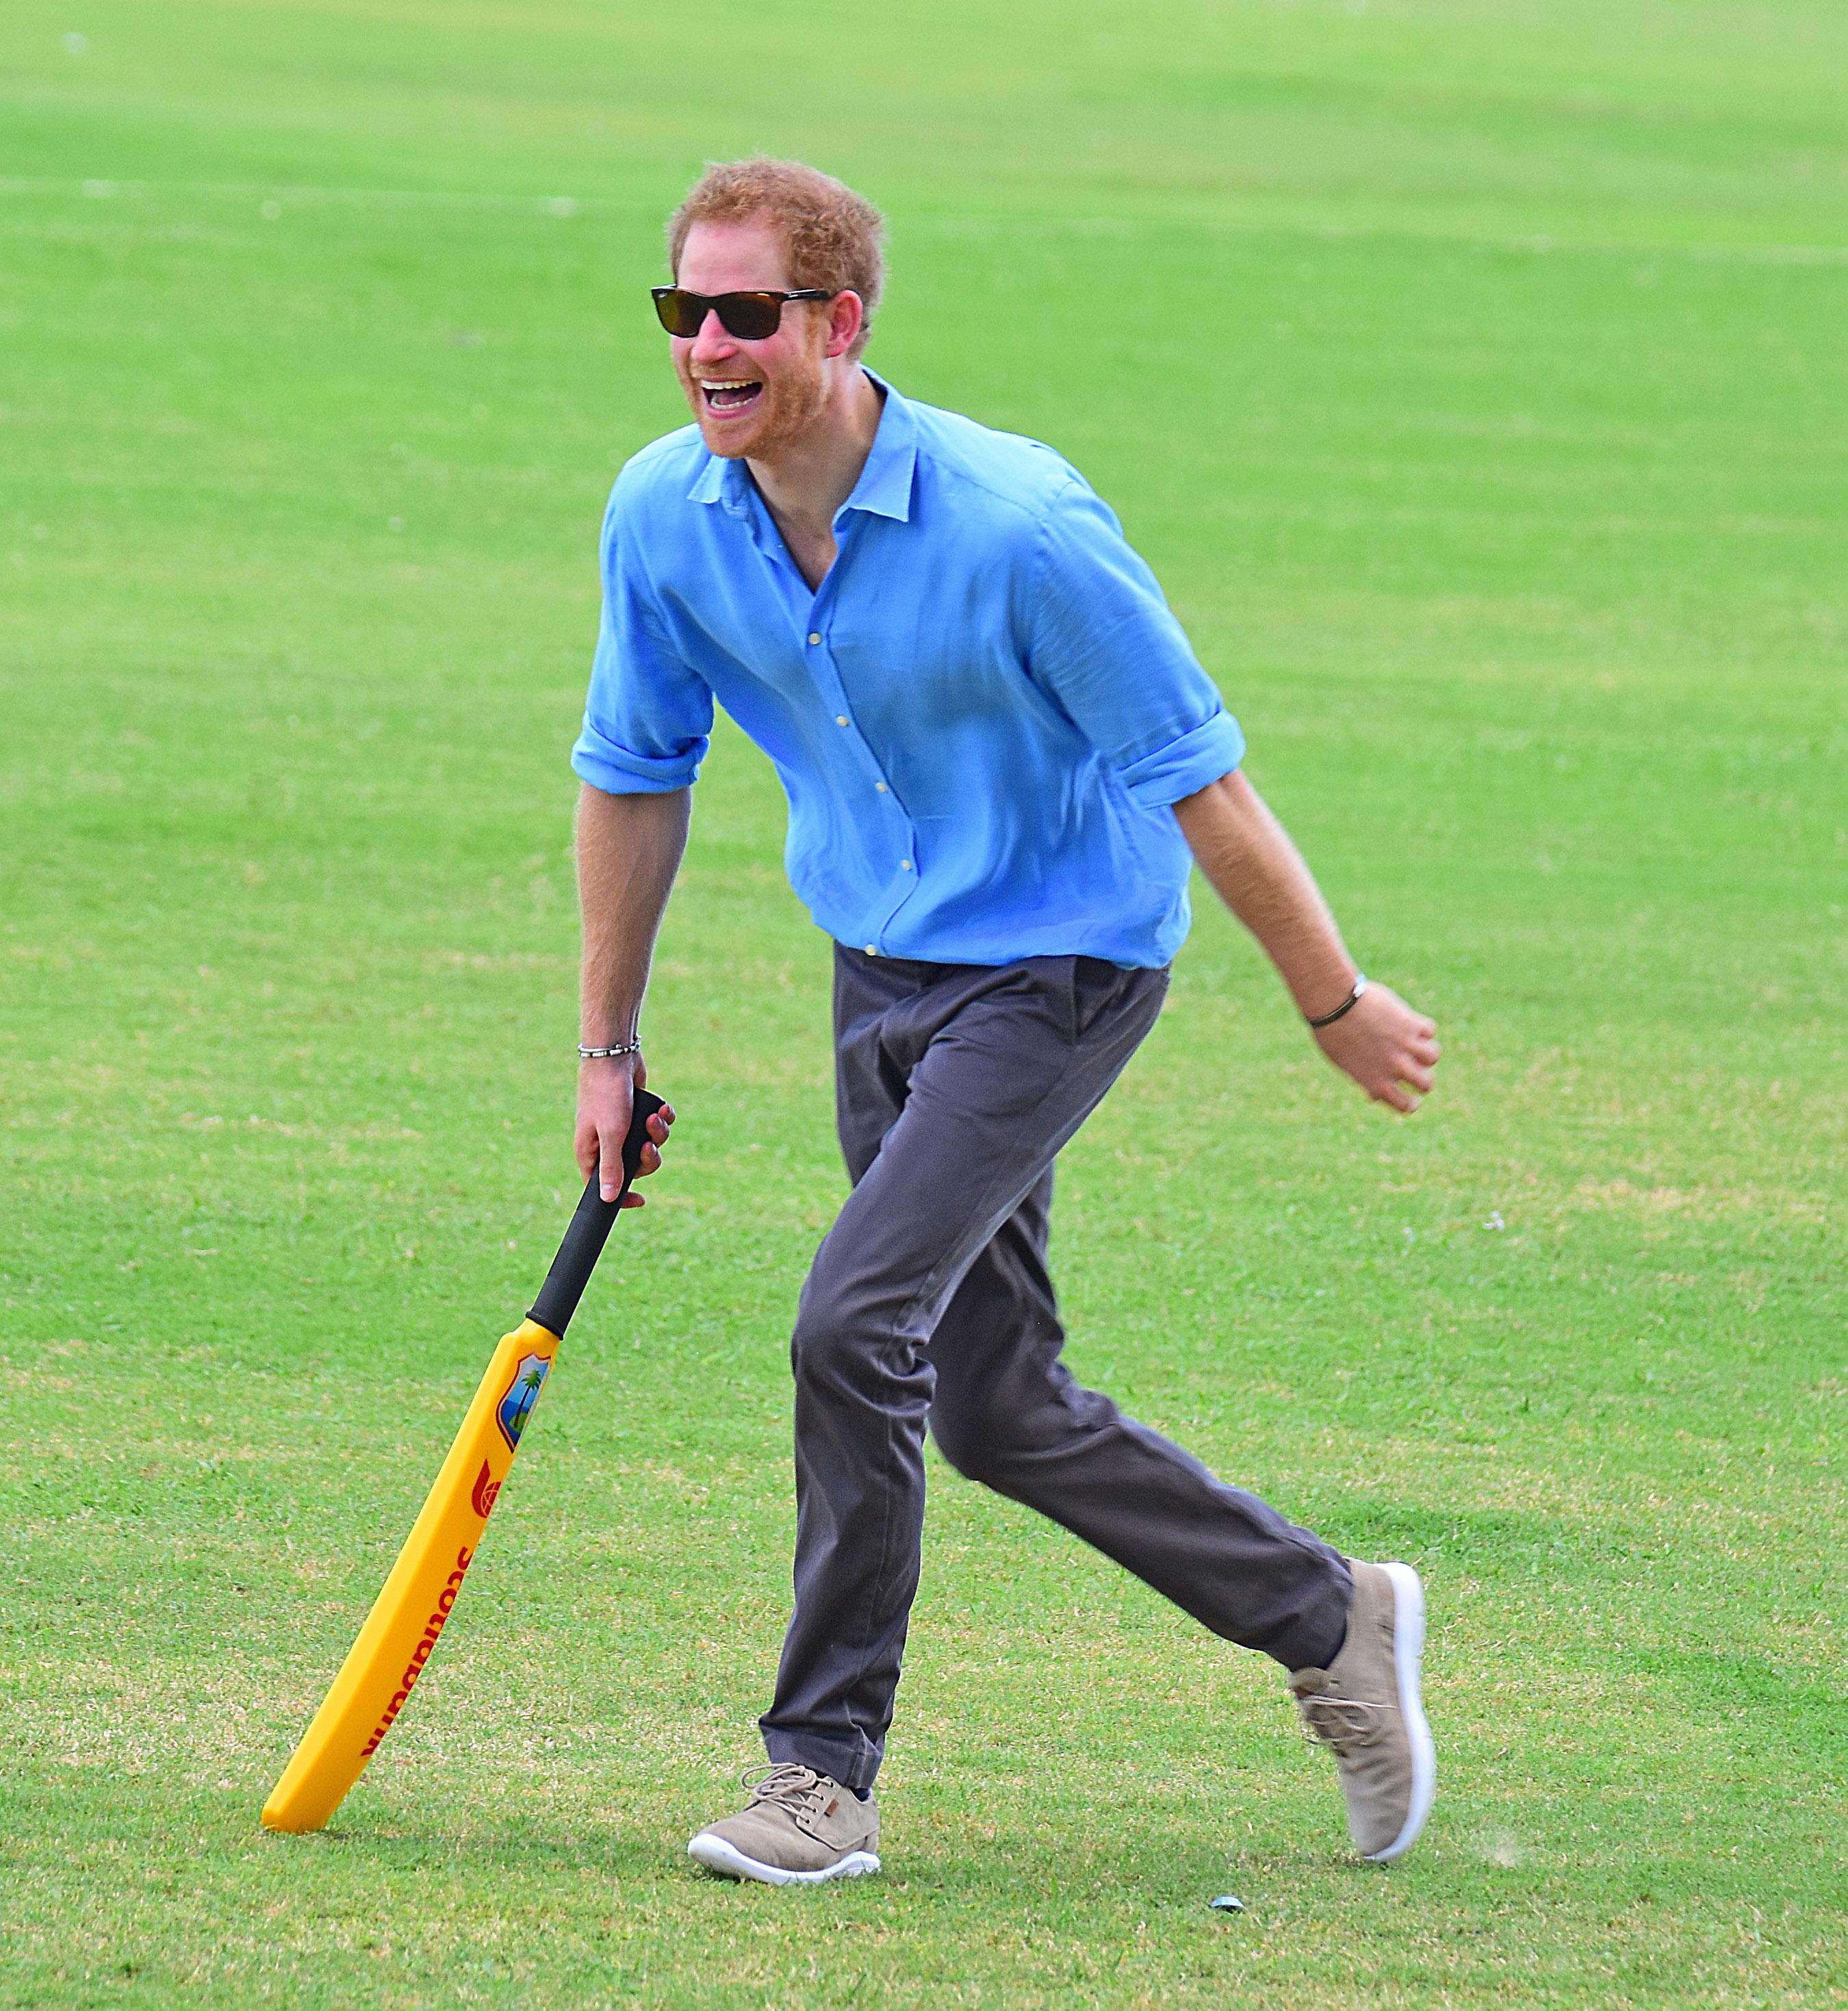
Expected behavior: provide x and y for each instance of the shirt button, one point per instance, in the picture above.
(872, 949)
(880, 787)
(840, 719)
(814, 638)
(904, 865)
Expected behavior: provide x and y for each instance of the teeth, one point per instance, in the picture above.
(728, 384)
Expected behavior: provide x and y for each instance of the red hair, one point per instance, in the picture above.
(832, 236)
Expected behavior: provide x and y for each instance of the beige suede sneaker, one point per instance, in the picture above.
(1367, 1706)
(800, 1829)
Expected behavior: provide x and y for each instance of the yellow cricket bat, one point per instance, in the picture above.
(408, 1618)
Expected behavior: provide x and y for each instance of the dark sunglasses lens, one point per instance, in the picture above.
(750, 317)
(681, 312)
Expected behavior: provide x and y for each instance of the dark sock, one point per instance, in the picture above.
(1341, 1640)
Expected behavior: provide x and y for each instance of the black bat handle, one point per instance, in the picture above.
(590, 1230)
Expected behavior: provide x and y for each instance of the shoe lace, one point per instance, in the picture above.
(1346, 1724)
(797, 1789)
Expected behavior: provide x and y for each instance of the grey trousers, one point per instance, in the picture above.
(929, 1300)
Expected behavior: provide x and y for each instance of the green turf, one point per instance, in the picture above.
(1472, 372)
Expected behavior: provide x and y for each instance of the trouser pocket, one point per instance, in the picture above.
(1095, 987)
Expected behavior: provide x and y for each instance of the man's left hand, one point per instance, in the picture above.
(1388, 1048)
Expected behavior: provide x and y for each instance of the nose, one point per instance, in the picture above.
(712, 345)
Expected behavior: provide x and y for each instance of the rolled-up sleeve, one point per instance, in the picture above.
(1106, 648)
(648, 719)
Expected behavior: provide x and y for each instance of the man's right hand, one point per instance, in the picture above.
(605, 1102)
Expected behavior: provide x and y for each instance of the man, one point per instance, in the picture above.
(1001, 758)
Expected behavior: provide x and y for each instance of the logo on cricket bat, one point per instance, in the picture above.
(421, 1653)
(516, 1405)
(481, 1498)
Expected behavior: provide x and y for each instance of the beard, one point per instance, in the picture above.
(793, 397)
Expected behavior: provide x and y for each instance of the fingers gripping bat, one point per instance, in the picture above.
(409, 1615)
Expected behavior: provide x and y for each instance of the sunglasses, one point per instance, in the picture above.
(749, 317)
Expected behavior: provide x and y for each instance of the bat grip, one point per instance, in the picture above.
(590, 1230)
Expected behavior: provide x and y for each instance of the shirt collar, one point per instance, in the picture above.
(721, 480)
(884, 484)
(884, 488)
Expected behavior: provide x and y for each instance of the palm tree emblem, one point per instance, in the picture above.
(522, 1393)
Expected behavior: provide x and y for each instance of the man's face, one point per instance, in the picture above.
(750, 397)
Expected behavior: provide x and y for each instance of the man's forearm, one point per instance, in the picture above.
(628, 850)
(1260, 876)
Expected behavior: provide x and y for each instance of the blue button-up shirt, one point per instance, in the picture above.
(981, 719)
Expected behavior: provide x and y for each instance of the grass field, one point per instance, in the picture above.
(1472, 372)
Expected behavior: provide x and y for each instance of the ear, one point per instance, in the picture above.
(846, 317)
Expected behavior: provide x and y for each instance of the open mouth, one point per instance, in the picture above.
(726, 396)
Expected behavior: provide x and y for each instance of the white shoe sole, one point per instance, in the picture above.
(718, 1856)
(1408, 1648)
